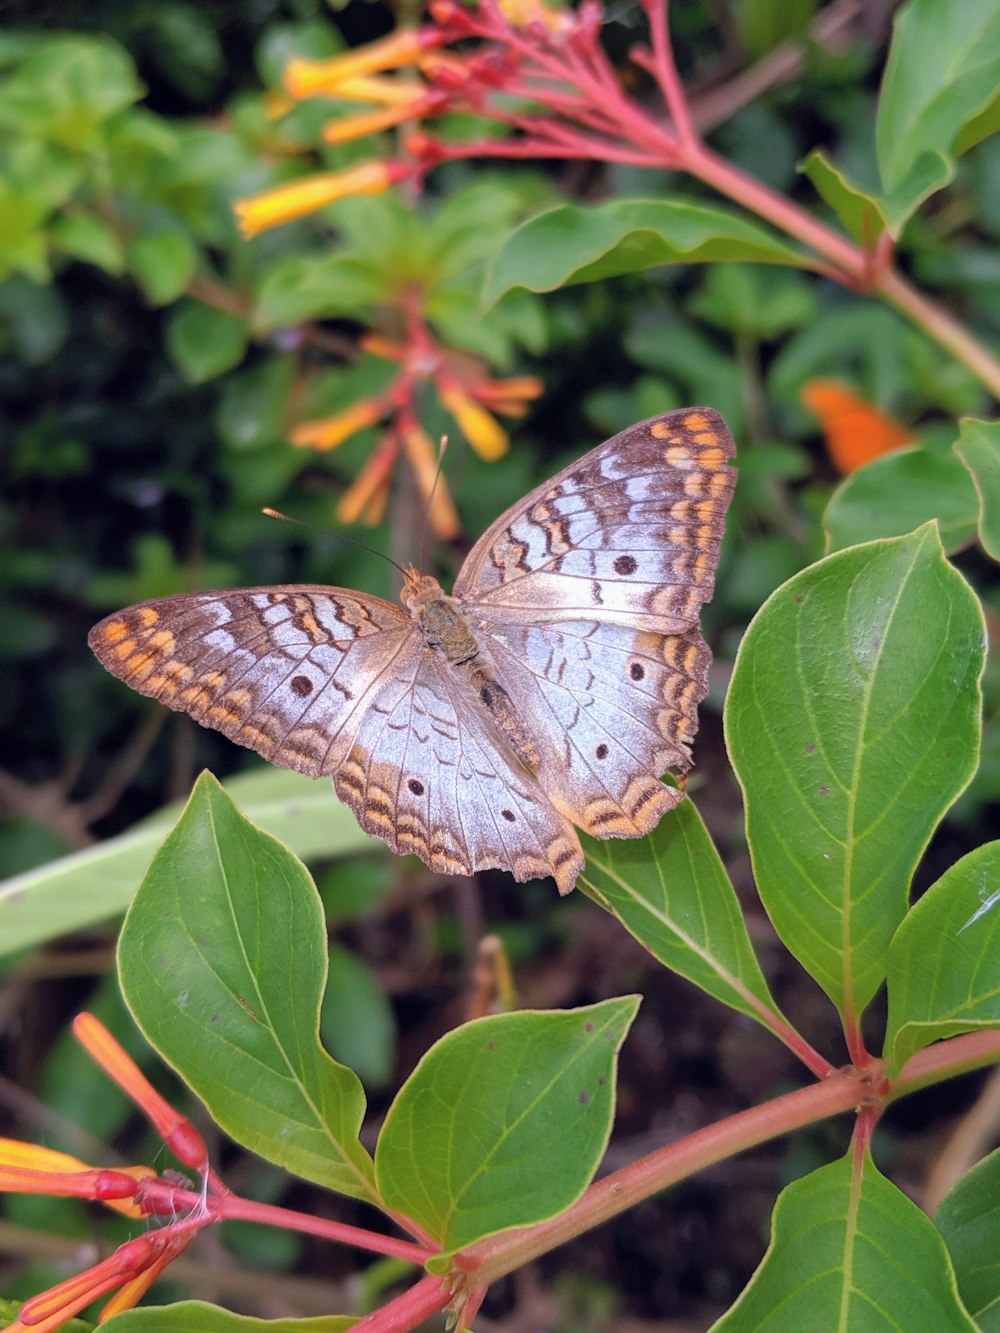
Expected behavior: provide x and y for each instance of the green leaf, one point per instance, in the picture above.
(93, 885)
(943, 70)
(222, 961)
(200, 1317)
(894, 494)
(849, 1251)
(671, 891)
(67, 86)
(504, 1121)
(764, 24)
(163, 263)
(931, 172)
(204, 342)
(978, 446)
(302, 287)
(570, 244)
(860, 212)
(753, 300)
(356, 1021)
(88, 238)
(968, 1218)
(942, 967)
(251, 411)
(853, 723)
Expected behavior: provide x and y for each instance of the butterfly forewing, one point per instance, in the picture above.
(630, 532)
(555, 688)
(286, 671)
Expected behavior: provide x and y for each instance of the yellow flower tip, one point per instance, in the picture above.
(328, 432)
(376, 345)
(480, 428)
(386, 92)
(365, 499)
(308, 78)
(519, 13)
(301, 197)
(277, 104)
(371, 122)
(14, 1152)
(423, 459)
(522, 386)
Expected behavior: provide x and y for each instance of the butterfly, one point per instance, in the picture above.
(549, 692)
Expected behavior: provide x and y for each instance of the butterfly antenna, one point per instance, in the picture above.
(340, 536)
(430, 500)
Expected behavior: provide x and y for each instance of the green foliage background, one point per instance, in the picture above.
(151, 362)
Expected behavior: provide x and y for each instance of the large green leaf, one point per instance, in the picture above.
(943, 70)
(894, 494)
(198, 1317)
(222, 961)
(671, 891)
(849, 1251)
(571, 244)
(90, 886)
(978, 446)
(969, 1220)
(853, 723)
(504, 1121)
(942, 970)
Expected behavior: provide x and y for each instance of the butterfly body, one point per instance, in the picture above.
(548, 692)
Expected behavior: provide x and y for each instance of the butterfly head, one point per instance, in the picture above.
(418, 590)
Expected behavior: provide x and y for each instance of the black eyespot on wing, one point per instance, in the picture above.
(302, 685)
(486, 694)
(508, 815)
(637, 672)
(416, 786)
(601, 751)
(625, 564)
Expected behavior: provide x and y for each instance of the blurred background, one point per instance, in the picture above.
(154, 366)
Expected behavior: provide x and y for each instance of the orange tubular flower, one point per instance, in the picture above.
(373, 122)
(386, 92)
(27, 1168)
(328, 432)
(483, 431)
(175, 1130)
(295, 200)
(309, 78)
(368, 494)
(45, 1312)
(442, 514)
(856, 431)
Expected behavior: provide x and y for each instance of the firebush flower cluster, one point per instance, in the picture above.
(545, 82)
(139, 1192)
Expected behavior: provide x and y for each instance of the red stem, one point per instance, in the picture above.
(230, 1207)
(407, 1311)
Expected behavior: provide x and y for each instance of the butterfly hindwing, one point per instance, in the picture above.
(610, 710)
(426, 774)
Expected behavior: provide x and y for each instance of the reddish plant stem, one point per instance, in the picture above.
(415, 1305)
(228, 1207)
(946, 1059)
(623, 1189)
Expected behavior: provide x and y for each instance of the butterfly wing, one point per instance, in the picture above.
(331, 682)
(425, 773)
(586, 598)
(285, 671)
